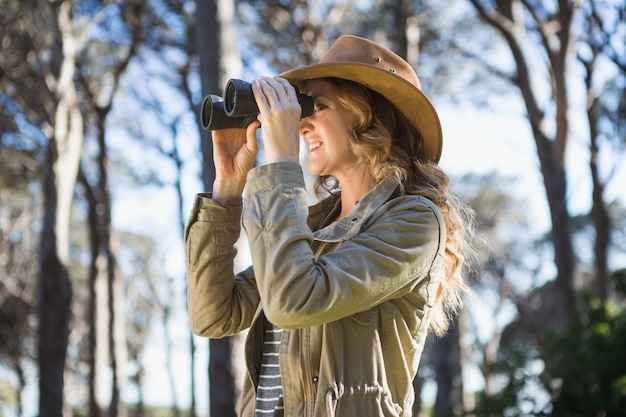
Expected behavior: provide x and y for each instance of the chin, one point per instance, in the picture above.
(313, 171)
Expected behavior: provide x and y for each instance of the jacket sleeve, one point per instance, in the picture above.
(393, 253)
(220, 303)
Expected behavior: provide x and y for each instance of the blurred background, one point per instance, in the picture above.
(101, 155)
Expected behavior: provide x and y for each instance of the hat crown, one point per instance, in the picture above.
(354, 50)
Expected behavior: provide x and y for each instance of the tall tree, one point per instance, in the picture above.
(60, 91)
(559, 34)
(64, 150)
(606, 118)
(548, 44)
(20, 167)
(516, 20)
(43, 89)
(106, 338)
(219, 58)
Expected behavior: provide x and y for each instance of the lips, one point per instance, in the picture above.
(313, 146)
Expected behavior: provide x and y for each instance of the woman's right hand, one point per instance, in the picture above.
(234, 153)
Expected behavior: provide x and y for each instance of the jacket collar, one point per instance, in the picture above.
(350, 225)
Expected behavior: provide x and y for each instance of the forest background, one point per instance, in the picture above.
(101, 155)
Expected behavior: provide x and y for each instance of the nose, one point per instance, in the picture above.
(305, 125)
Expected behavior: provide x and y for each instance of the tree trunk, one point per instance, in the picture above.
(219, 60)
(221, 379)
(106, 324)
(97, 313)
(599, 212)
(208, 48)
(115, 329)
(401, 12)
(55, 297)
(107, 335)
(508, 19)
(446, 360)
(55, 293)
(168, 354)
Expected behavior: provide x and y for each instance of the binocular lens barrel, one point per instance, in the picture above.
(239, 99)
(213, 116)
(238, 108)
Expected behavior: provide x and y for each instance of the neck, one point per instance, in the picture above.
(352, 192)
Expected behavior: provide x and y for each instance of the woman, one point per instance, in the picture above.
(340, 296)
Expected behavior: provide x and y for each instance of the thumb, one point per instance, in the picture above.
(251, 140)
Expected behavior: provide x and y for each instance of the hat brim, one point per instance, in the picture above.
(413, 104)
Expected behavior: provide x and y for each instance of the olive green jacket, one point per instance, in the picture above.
(353, 297)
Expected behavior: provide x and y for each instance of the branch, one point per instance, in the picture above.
(513, 34)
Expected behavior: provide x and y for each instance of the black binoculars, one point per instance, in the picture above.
(238, 107)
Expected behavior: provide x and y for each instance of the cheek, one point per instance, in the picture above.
(345, 146)
(342, 128)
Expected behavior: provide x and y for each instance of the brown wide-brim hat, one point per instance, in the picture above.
(379, 69)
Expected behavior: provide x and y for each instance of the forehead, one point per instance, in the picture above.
(316, 87)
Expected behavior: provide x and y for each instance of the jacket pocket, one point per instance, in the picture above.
(365, 318)
(360, 401)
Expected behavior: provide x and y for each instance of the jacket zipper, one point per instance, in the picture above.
(309, 388)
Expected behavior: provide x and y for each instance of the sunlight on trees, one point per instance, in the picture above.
(101, 154)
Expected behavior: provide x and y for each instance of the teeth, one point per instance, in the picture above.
(314, 146)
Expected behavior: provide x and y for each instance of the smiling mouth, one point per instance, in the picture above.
(314, 145)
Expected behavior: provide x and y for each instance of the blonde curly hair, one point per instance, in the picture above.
(389, 145)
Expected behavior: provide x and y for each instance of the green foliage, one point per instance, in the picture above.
(589, 364)
(584, 373)
(619, 277)
(518, 396)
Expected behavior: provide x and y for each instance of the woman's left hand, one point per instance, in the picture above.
(279, 114)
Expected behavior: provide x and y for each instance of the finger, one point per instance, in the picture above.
(289, 88)
(284, 89)
(279, 88)
(290, 92)
(258, 90)
(274, 93)
(251, 141)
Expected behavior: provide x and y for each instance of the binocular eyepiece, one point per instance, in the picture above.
(238, 107)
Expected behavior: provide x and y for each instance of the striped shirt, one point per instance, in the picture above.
(269, 399)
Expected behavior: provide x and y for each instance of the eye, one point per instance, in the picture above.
(320, 106)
